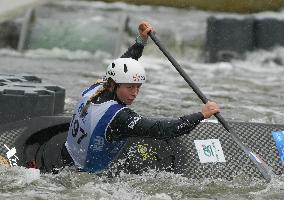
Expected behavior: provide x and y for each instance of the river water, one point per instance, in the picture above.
(249, 90)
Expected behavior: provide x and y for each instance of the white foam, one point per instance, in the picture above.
(31, 175)
(160, 196)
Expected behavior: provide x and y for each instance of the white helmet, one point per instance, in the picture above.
(126, 70)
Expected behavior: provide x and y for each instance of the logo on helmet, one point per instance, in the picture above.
(136, 77)
(111, 73)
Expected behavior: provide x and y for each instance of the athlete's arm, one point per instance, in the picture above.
(127, 123)
(135, 51)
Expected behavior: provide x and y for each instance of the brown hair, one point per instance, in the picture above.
(107, 86)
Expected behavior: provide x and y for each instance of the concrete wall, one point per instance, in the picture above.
(229, 37)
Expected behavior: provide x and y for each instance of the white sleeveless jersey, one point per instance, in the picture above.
(86, 140)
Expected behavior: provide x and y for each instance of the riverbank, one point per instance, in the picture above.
(241, 6)
(10, 9)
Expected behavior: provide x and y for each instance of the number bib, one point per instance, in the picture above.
(86, 141)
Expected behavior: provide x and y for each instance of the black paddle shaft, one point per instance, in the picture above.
(260, 164)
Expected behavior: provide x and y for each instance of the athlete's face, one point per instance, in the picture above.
(126, 93)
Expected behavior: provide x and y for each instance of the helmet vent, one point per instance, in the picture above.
(125, 68)
(112, 65)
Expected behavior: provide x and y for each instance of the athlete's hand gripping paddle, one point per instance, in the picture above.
(259, 163)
